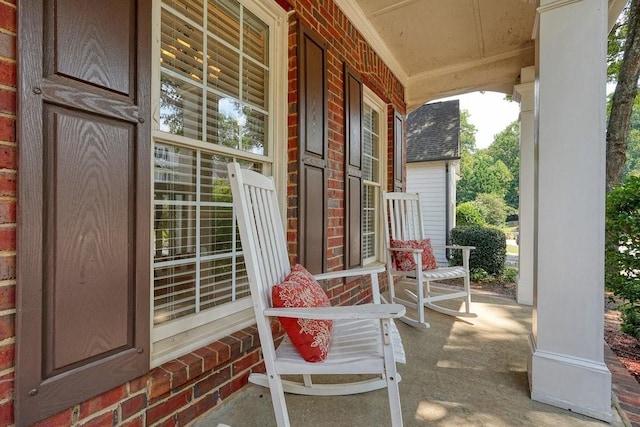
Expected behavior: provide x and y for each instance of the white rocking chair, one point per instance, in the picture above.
(364, 338)
(402, 216)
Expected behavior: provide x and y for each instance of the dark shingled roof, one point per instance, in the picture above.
(433, 132)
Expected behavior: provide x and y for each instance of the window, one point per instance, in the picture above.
(214, 86)
(373, 172)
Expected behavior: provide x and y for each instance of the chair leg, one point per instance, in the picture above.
(420, 306)
(467, 288)
(392, 291)
(277, 398)
(392, 377)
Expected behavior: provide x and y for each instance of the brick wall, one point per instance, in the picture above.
(7, 205)
(183, 389)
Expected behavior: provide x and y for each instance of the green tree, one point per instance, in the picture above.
(467, 133)
(492, 207)
(482, 174)
(506, 148)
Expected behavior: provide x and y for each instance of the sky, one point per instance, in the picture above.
(489, 112)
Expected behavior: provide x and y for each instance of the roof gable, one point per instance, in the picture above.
(433, 132)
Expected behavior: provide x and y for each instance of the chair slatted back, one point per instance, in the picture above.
(262, 236)
(403, 215)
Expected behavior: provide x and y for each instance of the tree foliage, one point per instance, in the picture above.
(506, 148)
(622, 252)
(492, 207)
(482, 174)
(467, 133)
(467, 213)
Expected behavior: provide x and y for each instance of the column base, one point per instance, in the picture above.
(524, 291)
(578, 385)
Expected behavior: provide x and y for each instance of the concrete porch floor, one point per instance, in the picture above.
(460, 372)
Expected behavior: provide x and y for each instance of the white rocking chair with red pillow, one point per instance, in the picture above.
(410, 259)
(321, 340)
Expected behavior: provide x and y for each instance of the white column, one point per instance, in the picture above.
(566, 365)
(524, 93)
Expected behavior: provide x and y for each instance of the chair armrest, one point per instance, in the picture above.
(361, 311)
(458, 247)
(350, 273)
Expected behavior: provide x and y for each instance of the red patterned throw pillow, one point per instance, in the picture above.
(404, 261)
(310, 337)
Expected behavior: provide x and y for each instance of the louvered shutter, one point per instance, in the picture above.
(353, 169)
(398, 142)
(312, 149)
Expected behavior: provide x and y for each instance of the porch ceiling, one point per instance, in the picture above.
(439, 48)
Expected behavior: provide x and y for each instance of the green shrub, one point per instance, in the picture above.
(622, 252)
(490, 251)
(467, 213)
(478, 275)
(493, 208)
(510, 274)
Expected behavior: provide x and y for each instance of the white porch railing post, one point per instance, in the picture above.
(524, 93)
(566, 365)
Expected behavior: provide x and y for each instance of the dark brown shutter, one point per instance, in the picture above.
(398, 141)
(353, 168)
(312, 148)
(84, 200)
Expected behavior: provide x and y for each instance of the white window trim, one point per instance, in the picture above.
(378, 105)
(172, 340)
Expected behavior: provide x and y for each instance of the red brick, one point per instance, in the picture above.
(7, 73)
(6, 386)
(7, 129)
(194, 365)
(107, 419)
(178, 371)
(7, 356)
(211, 382)
(7, 46)
(223, 350)
(64, 418)
(245, 363)
(7, 184)
(7, 157)
(159, 383)
(7, 326)
(7, 101)
(7, 297)
(6, 414)
(132, 406)
(138, 384)
(167, 407)
(7, 239)
(7, 267)
(8, 19)
(209, 358)
(246, 340)
(235, 345)
(136, 422)
(7, 211)
(234, 385)
(102, 401)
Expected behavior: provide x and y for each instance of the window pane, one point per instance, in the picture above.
(256, 38)
(223, 69)
(223, 19)
(173, 292)
(180, 108)
(181, 46)
(369, 222)
(254, 84)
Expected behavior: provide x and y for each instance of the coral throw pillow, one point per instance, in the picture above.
(310, 337)
(404, 261)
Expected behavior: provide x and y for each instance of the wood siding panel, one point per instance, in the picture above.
(429, 180)
(84, 188)
(312, 149)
